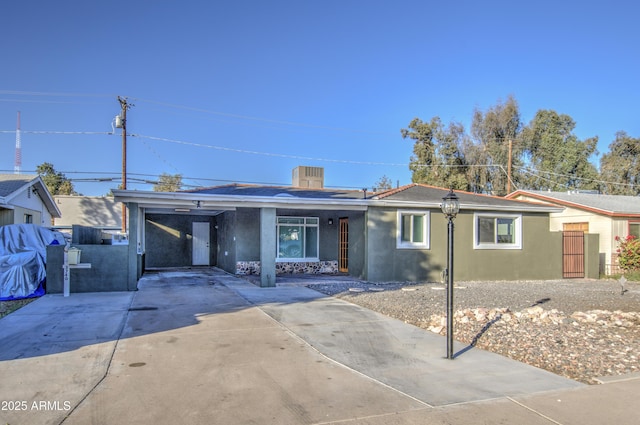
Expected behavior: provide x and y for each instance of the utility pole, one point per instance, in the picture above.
(509, 169)
(18, 162)
(122, 123)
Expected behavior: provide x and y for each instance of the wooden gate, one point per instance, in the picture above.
(572, 254)
(343, 256)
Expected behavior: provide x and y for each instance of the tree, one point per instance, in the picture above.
(556, 158)
(491, 132)
(437, 153)
(168, 183)
(384, 183)
(620, 167)
(56, 182)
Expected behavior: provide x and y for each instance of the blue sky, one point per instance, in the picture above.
(247, 90)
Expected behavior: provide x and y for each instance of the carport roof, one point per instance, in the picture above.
(213, 200)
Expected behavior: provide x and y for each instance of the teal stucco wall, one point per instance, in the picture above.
(108, 272)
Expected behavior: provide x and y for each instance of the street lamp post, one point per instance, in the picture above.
(450, 207)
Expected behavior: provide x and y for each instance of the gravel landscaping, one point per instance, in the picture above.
(7, 307)
(580, 329)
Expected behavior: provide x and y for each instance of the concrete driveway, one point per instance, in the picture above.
(204, 347)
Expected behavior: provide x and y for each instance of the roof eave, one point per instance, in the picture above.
(469, 206)
(176, 199)
(43, 193)
(47, 198)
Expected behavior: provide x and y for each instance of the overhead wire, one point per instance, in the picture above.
(254, 118)
(58, 132)
(246, 151)
(272, 154)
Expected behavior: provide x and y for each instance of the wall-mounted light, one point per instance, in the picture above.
(197, 204)
(330, 222)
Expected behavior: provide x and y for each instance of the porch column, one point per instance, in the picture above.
(133, 264)
(267, 247)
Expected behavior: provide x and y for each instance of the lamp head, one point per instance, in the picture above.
(450, 205)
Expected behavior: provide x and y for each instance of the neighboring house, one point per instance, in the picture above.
(24, 198)
(397, 235)
(100, 212)
(607, 215)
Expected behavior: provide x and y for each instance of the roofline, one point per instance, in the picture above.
(572, 204)
(531, 207)
(212, 201)
(525, 205)
(175, 199)
(283, 187)
(47, 199)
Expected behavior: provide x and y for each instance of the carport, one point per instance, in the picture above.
(241, 229)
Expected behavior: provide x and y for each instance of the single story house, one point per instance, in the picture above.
(396, 235)
(607, 215)
(24, 198)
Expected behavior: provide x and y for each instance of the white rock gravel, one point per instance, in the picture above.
(581, 329)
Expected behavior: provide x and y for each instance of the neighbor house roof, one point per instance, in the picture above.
(610, 205)
(11, 185)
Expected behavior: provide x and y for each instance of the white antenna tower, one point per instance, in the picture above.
(18, 163)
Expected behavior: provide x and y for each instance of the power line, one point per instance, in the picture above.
(176, 106)
(117, 178)
(533, 173)
(108, 133)
(279, 155)
(254, 118)
(53, 94)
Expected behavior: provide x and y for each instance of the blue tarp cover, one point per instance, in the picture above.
(23, 256)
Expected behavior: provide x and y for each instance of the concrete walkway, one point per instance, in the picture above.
(204, 347)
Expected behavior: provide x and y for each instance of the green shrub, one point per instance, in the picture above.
(628, 253)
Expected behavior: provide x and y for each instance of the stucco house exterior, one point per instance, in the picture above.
(100, 212)
(606, 215)
(24, 198)
(396, 235)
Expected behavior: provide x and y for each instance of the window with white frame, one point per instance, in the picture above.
(497, 231)
(298, 238)
(634, 229)
(413, 230)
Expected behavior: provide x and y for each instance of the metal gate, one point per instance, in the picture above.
(572, 254)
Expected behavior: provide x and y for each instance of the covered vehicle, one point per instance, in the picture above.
(23, 258)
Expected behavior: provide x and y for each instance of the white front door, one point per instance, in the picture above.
(200, 247)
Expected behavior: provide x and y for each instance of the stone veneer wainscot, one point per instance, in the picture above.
(303, 267)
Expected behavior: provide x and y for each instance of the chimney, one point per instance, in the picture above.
(304, 176)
